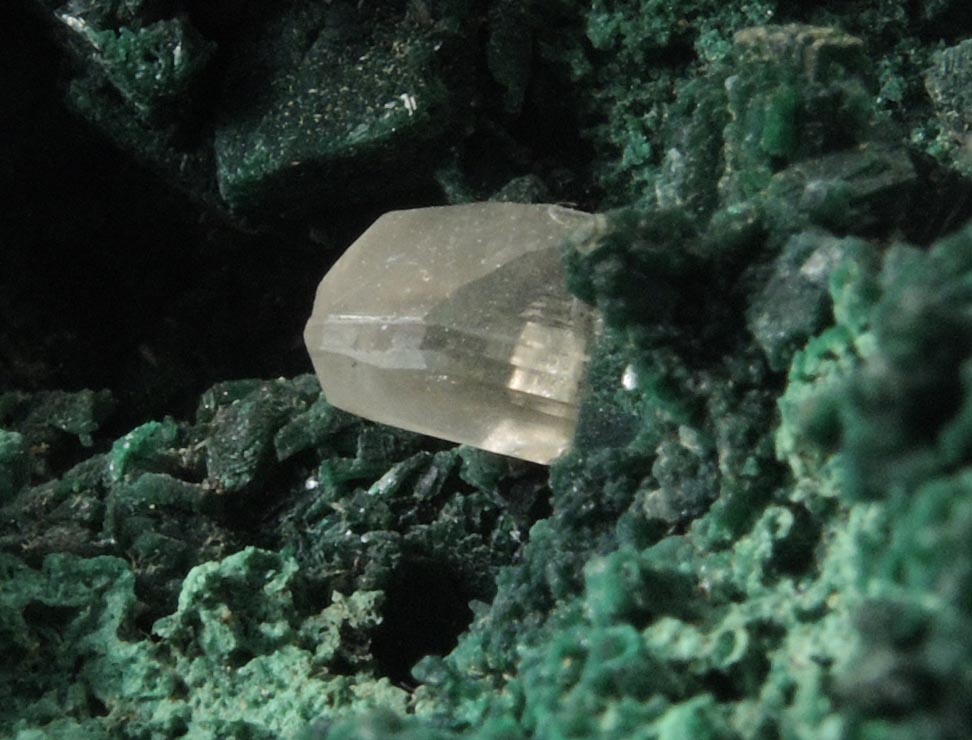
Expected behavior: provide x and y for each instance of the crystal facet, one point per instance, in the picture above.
(454, 322)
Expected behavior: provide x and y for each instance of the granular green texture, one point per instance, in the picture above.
(14, 464)
(296, 128)
(762, 530)
(149, 66)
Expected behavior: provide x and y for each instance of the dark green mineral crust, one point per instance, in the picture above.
(763, 530)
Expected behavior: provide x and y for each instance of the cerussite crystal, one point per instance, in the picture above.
(455, 322)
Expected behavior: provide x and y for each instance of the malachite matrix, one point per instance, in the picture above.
(455, 322)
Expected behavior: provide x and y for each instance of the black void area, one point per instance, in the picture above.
(426, 609)
(112, 277)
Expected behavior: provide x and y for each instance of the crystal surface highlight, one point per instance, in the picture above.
(454, 322)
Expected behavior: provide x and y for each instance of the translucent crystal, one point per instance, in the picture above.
(455, 322)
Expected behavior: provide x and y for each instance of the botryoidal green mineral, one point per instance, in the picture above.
(763, 528)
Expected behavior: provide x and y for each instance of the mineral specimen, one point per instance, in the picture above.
(762, 527)
(455, 322)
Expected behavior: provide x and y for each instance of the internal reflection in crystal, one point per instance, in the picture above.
(455, 322)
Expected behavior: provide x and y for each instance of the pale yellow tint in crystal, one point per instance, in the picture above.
(455, 322)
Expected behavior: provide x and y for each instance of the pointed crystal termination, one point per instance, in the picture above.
(455, 322)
